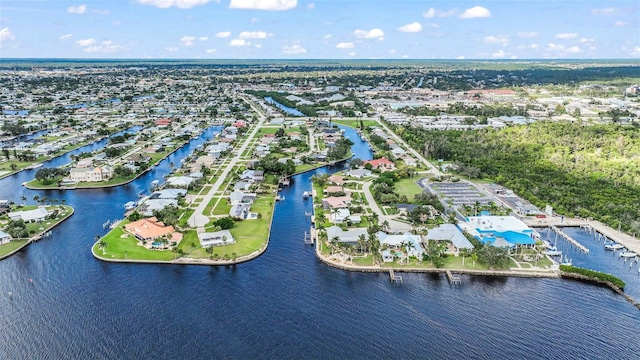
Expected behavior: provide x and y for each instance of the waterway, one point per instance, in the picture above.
(285, 304)
(286, 109)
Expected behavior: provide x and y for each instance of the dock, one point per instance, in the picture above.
(453, 279)
(394, 278)
(308, 238)
(571, 240)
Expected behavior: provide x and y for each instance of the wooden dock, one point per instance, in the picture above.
(394, 278)
(569, 239)
(453, 279)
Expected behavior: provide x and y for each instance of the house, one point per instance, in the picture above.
(349, 236)
(336, 202)
(168, 194)
(150, 228)
(382, 164)
(336, 179)
(180, 181)
(359, 173)
(149, 206)
(239, 197)
(240, 210)
(39, 214)
(90, 174)
(488, 229)
(241, 186)
(451, 234)
(395, 241)
(84, 163)
(4, 238)
(163, 122)
(138, 159)
(339, 216)
(252, 175)
(218, 238)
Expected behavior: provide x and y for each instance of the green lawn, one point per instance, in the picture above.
(355, 122)
(223, 208)
(118, 246)
(11, 246)
(407, 187)
(366, 261)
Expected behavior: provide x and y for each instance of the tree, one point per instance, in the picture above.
(362, 242)
(335, 241)
(224, 223)
(102, 245)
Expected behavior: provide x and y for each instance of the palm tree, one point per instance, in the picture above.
(224, 244)
(362, 241)
(385, 226)
(36, 198)
(474, 257)
(335, 241)
(23, 198)
(102, 245)
(409, 246)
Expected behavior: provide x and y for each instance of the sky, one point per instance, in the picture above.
(320, 29)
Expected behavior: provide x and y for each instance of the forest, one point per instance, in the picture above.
(587, 171)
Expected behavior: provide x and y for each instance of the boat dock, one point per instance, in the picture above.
(571, 240)
(394, 278)
(308, 238)
(453, 279)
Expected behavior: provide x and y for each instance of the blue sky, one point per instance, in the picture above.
(320, 29)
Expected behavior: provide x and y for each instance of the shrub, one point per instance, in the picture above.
(594, 274)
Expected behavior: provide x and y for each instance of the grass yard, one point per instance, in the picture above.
(407, 187)
(11, 246)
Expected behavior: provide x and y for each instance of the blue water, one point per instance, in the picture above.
(288, 110)
(284, 305)
(15, 112)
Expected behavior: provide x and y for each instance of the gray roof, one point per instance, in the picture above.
(215, 238)
(451, 233)
(349, 236)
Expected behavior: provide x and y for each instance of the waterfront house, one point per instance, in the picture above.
(450, 234)
(395, 241)
(240, 210)
(349, 236)
(336, 179)
(239, 197)
(218, 238)
(382, 164)
(91, 174)
(150, 229)
(359, 173)
(180, 181)
(339, 216)
(168, 194)
(4, 238)
(336, 202)
(39, 214)
(149, 206)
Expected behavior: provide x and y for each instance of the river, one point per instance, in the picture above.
(284, 304)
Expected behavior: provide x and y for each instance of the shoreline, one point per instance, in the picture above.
(26, 185)
(38, 236)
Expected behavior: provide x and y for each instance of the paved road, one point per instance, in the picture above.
(198, 218)
(394, 225)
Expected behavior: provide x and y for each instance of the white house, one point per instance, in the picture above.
(38, 214)
(91, 174)
(215, 238)
(4, 237)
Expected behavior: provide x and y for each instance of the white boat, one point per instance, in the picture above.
(553, 252)
(35, 166)
(305, 195)
(155, 183)
(567, 261)
(130, 205)
(628, 254)
(613, 247)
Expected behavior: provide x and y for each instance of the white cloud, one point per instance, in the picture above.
(500, 54)
(253, 35)
(497, 39)
(273, 5)
(311, 6)
(293, 50)
(85, 42)
(411, 28)
(461, 57)
(188, 41)
(223, 34)
(374, 33)
(566, 36)
(392, 51)
(432, 25)
(353, 53)
(535, 46)
(106, 46)
(586, 40)
(239, 42)
(475, 12)
(182, 4)
(172, 49)
(344, 45)
(432, 13)
(527, 34)
(6, 35)
(574, 50)
(100, 12)
(327, 37)
(257, 46)
(604, 11)
(210, 51)
(203, 38)
(65, 37)
(80, 9)
(635, 51)
(620, 23)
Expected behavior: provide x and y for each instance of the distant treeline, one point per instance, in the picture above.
(586, 171)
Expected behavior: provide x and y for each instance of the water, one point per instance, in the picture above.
(285, 304)
(288, 110)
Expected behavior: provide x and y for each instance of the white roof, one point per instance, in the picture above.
(498, 223)
(29, 215)
(452, 233)
(215, 238)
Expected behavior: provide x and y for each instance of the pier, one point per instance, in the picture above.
(394, 278)
(571, 240)
(308, 238)
(453, 279)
